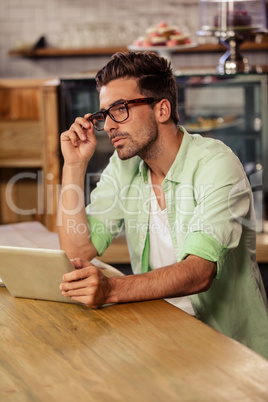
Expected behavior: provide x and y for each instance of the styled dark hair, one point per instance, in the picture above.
(153, 73)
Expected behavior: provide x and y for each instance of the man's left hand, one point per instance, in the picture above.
(86, 284)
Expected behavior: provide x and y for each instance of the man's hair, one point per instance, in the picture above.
(153, 73)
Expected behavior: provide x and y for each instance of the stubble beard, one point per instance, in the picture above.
(146, 148)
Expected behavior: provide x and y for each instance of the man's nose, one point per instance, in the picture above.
(109, 124)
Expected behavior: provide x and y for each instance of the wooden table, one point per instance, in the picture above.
(118, 253)
(147, 351)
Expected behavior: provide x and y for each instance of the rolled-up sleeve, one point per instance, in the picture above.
(222, 206)
(105, 216)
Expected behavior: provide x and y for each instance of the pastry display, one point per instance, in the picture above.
(162, 35)
(209, 123)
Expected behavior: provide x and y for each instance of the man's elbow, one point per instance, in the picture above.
(206, 285)
(86, 252)
(208, 279)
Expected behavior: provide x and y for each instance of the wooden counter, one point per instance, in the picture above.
(147, 351)
(34, 234)
(262, 247)
(118, 253)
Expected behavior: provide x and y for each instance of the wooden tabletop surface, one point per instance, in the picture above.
(147, 351)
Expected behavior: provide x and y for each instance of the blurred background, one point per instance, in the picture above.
(67, 24)
(49, 54)
(78, 24)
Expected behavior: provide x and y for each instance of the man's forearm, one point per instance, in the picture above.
(190, 276)
(73, 229)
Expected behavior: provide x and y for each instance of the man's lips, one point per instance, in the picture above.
(117, 141)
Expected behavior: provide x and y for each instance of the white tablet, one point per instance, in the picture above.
(34, 273)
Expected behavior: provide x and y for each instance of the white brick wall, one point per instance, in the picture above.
(69, 23)
(65, 22)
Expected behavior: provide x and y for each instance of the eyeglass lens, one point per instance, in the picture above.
(118, 113)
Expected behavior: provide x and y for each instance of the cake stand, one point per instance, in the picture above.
(232, 62)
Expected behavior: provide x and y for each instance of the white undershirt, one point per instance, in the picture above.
(161, 249)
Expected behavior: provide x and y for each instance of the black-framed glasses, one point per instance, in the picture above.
(118, 112)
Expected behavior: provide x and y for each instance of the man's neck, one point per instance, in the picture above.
(160, 165)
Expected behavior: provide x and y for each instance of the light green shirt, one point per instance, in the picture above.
(210, 214)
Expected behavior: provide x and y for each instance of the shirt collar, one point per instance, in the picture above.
(143, 170)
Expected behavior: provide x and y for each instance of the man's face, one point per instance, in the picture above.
(136, 135)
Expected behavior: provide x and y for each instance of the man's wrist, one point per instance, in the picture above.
(73, 173)
(74, 167)
(114, 284)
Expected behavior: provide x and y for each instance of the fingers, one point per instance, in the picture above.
(82, 273)
(79, 263)
(88, 301)
(87, 116)
(85, 294)
(80, 130)
(83, 122)
(86, 285)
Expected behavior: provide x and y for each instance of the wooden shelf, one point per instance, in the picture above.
(100, 51)
(210, 47)
(54, 52)
(21, 163)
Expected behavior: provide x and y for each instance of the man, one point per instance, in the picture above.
(185, 203)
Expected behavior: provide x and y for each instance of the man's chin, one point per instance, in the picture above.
(123, 154)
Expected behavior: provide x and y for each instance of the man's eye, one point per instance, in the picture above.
(119, 108)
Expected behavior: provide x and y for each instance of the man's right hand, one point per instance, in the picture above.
(79, 142)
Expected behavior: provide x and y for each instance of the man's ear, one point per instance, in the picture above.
(163, 110)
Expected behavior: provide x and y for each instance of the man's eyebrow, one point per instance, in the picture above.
(113, 104)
